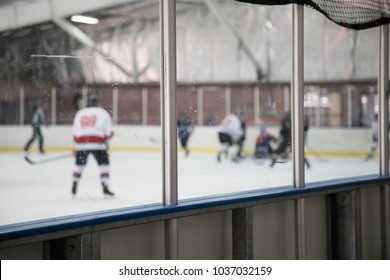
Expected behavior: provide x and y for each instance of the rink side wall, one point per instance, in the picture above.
(330, 141)
(207, 233)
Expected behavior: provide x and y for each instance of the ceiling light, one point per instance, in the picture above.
(268, 24)
(84, 19)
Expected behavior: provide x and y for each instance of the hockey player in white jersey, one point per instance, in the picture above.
(92, 129)
(229, 134)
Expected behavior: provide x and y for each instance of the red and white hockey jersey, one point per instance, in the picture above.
(92, 128)
(231, 125)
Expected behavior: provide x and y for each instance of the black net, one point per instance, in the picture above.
(355, 14)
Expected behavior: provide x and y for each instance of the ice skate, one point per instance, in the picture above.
(74, 189)
(107, 191)
(236, 159)
(369, 156)
(273, 160)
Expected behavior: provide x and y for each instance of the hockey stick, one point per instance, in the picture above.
(317, 155)
(46, 160)
(282, 161)
(261, 161)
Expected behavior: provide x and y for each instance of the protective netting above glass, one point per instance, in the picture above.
(355, 14)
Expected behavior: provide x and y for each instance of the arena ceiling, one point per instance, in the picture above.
(43, 26)
(20, 13)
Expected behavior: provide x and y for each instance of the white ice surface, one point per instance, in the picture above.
(32, 192)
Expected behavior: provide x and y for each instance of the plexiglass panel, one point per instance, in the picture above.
(234, 69)
(341, 99)
(233, 99)
(61, 66)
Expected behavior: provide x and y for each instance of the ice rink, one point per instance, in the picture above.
(41, 191)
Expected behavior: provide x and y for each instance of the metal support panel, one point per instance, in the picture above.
(96, 245)
(242, 220)
(86, 246)
(383, 89)
(344, 226)
(171, 240)
(383, 81)
(170, 107)
(297, 128)
(169, 119)
(300, 229)
(68, 248)
(78, 247)
(385, 221)
(297, 97)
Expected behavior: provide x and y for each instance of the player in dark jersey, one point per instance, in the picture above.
(285, 143)
(38, 119)
(184, 130)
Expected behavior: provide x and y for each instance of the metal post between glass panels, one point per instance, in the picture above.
(168, 68)
(242, 230)
(383, 89)
(169, 117)
(297, 97)
(383, 80)
(297, 127)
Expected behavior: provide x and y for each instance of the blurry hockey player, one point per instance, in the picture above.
(285, 142)
(263, 148)
(229, 134)
(92, 129)
(374, 139)
(38, 119)
(306, 125)
(241, 141)
(184, 130)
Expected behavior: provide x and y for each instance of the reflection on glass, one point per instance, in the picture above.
(341, 99)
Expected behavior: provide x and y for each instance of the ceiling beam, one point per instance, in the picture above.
(83, 38)
(18, 14)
